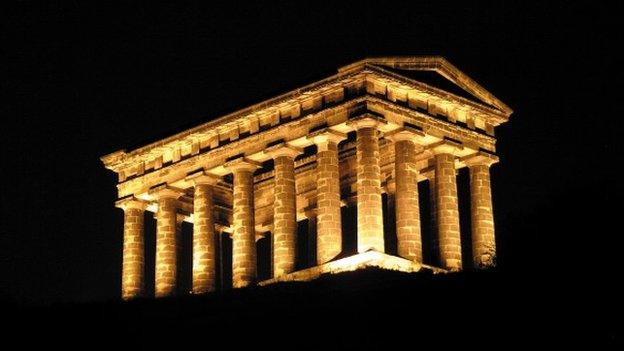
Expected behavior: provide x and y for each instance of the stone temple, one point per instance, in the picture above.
(305, 171)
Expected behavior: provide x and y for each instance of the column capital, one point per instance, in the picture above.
(407, 133)
(202, 177)
(326, 135)
(241, 164)
(283, 149)
(164, 191)
(446, 147)
(131, 202)
(366, 121)
(479, 158)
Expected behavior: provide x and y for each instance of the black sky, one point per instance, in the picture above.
(88, 79)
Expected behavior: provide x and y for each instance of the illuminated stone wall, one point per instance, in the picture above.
(304, 155)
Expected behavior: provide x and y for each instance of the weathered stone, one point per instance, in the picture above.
(204, 269)
(133, 266)
(166, 245)
(482, 217)
(171, 177)
(284, 215)
(328, 222)
(243, 225)
(370, 232)
(447, 212)
(409, 241)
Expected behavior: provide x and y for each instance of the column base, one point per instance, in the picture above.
(363, 260)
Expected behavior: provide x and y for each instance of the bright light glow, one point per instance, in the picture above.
(352, 263)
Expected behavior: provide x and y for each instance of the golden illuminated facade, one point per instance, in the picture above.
(362, 139)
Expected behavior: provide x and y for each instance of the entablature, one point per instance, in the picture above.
(289, 117)
(295, 134)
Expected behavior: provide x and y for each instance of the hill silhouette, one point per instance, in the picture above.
(366, 309)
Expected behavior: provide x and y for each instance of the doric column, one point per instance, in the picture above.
(243, 223)
(329, 227)
(204, 259)
(447, 208)
(166, 272)
(370, 234)
(483, 240)
(133, 265)
(407, 209)
(284, 208)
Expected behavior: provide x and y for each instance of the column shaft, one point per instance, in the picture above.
(447, 212)
(244, 235)
(409, 242)
(166, 247)
(133, 268)
(483, 241)
(329, 227)
(369, 205)
(203, 240)
(284, 216)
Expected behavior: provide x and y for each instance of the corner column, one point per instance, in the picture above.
(204, 260)
(407, 207)
(166, 271)
(446, 204)
(370, 230)
(133, 265)
(284, 208)
(481, 211)
(329, 225)
(243, 223)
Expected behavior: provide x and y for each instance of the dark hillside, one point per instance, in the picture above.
(367, 309)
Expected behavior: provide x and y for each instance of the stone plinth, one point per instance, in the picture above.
(358, 261)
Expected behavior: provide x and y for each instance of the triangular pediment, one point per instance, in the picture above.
(437, 72)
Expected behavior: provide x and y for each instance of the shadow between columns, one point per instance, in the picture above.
(465, 222)
(428, 231)
(264, 257)
(224, 261)
(389, 219)
(349, 230)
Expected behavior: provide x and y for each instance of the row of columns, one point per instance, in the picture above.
(370, 231)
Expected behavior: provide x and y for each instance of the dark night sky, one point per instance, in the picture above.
(85, 80)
